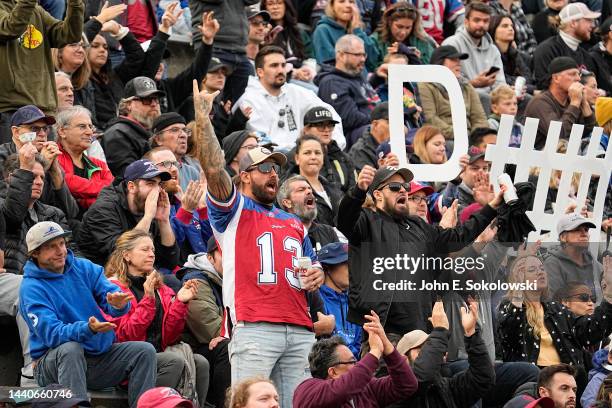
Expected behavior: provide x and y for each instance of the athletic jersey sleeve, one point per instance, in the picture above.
(221, 213)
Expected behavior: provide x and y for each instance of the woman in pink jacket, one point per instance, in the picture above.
(157, 315)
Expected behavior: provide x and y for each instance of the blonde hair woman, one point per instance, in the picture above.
(157, 315)
(255, 392)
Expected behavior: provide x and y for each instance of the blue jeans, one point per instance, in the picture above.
(276, 351)
(241, 68)
(69, 366)
(56, 8)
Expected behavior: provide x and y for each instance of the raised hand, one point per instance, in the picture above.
(169, 19)
(162, 212)
(97, 326)
(188, 292)
(374, 326)
(27, 156)
(151, 203)
(449, 215)
(483, 190)
(109, 13)
(202, 100)
(209, 28)
(438, 316)
(49, 152)
(118, 300)
(469, 317)
(192, 196)
(151, 283)
(365, 177)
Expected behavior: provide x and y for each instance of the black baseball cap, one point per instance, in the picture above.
(318, 114)
(380, 111)
(216, 64)
(385, 173)
(446, 51)
(211, 245)
(144, 169)
(30, 114)
(141, 87)
(254, 10)
(561, 64)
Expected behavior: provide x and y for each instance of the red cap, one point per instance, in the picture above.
(163, 397)
(469, 210)
(527, 401)
(416, 186)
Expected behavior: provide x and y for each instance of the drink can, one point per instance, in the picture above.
(519, 84)
(304, 263)
(510, 195)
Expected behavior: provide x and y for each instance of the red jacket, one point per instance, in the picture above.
(133, 325)
(83, 190)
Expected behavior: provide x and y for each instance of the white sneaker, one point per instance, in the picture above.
(27, 376)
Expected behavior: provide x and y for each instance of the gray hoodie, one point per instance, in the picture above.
(561, 269)
(482, 57)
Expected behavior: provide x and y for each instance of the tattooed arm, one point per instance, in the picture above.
(219, 181)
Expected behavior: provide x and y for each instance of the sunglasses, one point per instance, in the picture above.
(266, 168)
(148, 100)
(584, 297)
(38, 129)
(396, 186)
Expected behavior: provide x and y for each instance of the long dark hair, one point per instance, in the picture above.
(290, 34)
(496, 20)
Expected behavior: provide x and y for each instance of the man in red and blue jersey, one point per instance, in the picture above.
(264, 298)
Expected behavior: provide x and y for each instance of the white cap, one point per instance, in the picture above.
(569, 222)
(43, 232)
(576, 11)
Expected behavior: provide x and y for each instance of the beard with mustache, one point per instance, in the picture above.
(304, 214)
(261, 194)
(146, 120)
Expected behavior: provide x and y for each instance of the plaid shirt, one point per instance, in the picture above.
(523, 33)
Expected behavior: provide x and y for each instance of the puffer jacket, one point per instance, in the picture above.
(18, 220)
(569, 332)
(107, 219)
(133, 325)
(85, 191)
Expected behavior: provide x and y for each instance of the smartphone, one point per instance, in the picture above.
(492, 71)
(27, 137)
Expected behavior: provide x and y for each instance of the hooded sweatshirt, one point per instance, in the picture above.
(337, 304)
(482, 57)
(327, 33)
(561, 269)
(57, 306)
(596, 376)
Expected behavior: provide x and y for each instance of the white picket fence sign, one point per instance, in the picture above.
(500, 154)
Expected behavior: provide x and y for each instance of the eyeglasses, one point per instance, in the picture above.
(177, 130)
(38, 129)
(83, 127)
(357, 54)
(77, 45)
(168, 164)
(249, 147)
(265, 168)
(584, 297)
(349, 362)
(396, 186)
(417, 199)
(148, 100)
(324, 125)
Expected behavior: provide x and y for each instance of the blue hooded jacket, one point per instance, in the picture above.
(596, 377)
(57, 306)
(337, 304)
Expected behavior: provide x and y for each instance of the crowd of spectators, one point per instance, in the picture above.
(207, 233)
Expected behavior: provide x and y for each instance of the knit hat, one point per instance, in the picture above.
(232, 143)
(561, 64)
(167, 119)
(603, 110)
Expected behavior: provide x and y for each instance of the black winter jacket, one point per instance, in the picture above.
(461, 390)
(375, 235)
(321, 235)
(363, 152)
(107, 219)
(18, 219)
(124, 142)
(570, 333)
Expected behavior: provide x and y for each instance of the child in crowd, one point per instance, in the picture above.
(504, 101)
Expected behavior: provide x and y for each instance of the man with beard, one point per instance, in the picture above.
(170, 131)
(296, 197)
(576, 27)
(127, 138)
(137, 201)
(263, 291)
(473, 39)
(278, 108)
(572, 261)
(188, 213)
(344, 87)
(390, 232)
(558, 383)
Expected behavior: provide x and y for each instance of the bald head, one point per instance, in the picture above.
(350, 54)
